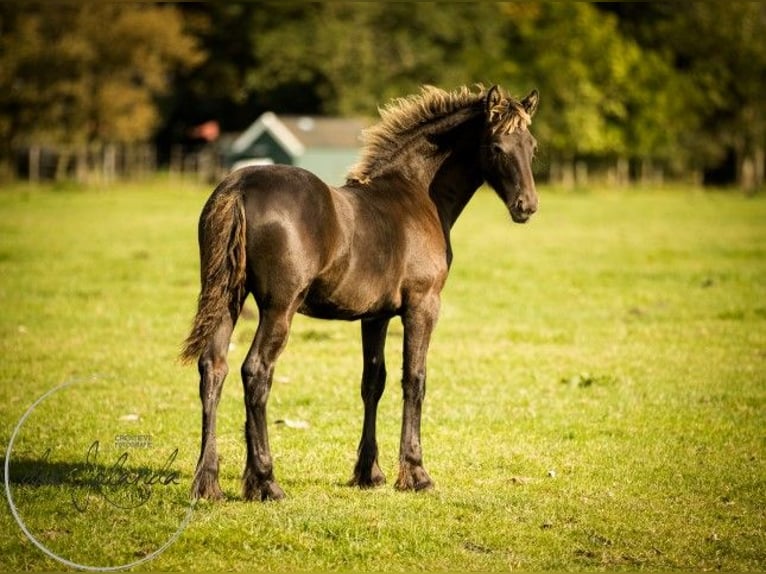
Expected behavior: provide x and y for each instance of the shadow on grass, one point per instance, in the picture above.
(121, 484)
(41, 471)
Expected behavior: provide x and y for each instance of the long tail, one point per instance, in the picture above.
(222, 267)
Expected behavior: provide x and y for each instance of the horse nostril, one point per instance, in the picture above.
(521, 206)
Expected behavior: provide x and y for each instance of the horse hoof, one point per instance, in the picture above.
(373, 481)
(264, 491)
(208, 490)
(412, 477)
(272, 491)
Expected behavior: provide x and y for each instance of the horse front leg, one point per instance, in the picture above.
(367, 473)
(419, 323)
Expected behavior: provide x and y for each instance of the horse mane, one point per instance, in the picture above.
(406, 118)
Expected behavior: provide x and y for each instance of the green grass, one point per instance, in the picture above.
(596, 395)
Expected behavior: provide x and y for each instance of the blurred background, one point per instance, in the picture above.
(630, 92)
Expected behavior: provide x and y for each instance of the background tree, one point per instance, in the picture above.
(717, 54)
(722, 46)
(87, 73)
(676, 86)
(605, 97)
(355, 56)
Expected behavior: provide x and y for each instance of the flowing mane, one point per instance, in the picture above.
(406, 118)
(403, 119)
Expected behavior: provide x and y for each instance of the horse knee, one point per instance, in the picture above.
(414, 387)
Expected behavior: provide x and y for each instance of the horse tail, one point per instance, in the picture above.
(222, 267)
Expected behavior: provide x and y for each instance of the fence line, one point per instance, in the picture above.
(101, 163)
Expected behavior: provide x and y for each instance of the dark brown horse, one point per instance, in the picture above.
(372, 249)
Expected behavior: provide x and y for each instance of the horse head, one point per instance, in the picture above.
(508, 149)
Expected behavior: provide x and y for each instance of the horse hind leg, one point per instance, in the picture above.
(258, 481)
(213, 368)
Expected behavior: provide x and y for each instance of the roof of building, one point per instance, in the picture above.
(297, 133)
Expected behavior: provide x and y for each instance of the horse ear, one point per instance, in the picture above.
(530, 102)
(494, 97)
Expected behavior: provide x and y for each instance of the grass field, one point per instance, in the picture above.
(596, 395)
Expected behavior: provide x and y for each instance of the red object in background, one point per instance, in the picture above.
(208, 131)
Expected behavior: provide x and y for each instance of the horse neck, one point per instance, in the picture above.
(457, 174)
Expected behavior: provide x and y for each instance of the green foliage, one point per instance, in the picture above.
(718, 58)
(596, 396)
(583, 67)
(364, 53)
(723, 49)
(83, 73)
(616, 81)
(662, 82)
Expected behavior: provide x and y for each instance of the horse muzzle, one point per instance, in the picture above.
(522, 209)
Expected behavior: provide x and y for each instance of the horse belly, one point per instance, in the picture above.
(350, 300)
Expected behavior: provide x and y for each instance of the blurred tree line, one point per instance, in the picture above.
(637, 90)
